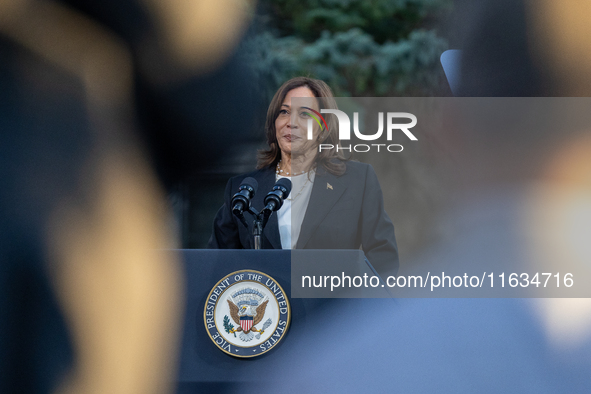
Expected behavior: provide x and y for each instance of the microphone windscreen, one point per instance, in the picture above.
(250, 182)
(286, 183)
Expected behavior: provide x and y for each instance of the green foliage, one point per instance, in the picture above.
(359, 47)
(228, 327)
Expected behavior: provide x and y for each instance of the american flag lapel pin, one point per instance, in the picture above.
(328, 186)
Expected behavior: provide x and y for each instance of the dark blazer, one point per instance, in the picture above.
(344, 212)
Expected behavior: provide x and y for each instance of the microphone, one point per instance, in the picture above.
(274, 199)
(241, 200)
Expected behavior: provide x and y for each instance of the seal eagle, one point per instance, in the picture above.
(244, 313)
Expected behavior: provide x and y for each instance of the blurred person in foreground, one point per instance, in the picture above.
(333, 204)
(87, 302)
(522, 199)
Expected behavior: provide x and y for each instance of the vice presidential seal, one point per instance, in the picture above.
(246, 313)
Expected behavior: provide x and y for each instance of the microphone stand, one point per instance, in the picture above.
(260, 220)
(257, 227)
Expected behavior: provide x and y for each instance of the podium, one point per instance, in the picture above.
(203, 366)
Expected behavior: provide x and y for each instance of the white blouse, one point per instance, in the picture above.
(291, 214)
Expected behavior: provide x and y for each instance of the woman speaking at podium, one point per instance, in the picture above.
(333, 204)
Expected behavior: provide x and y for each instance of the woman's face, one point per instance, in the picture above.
(291, 125)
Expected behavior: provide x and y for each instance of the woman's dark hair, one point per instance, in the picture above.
(328, 159)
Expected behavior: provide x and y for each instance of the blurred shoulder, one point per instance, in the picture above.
(360, 174)
(353, 170)
(357, 169)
